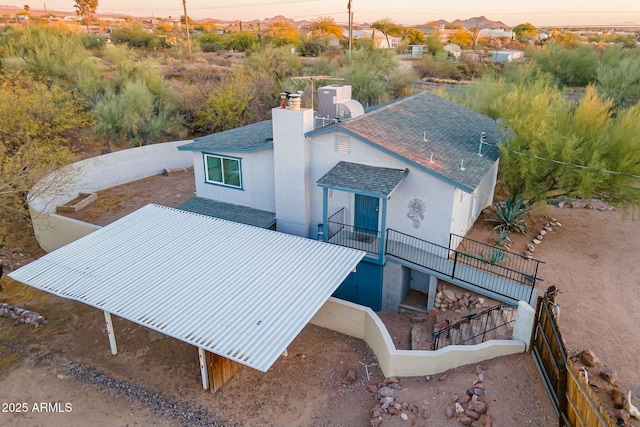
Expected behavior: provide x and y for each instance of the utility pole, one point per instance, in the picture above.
(186, 20)
(350, 27)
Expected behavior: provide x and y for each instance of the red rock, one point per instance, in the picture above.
(589, 358)
(443, 377)
(479, 385)
(392, 410)
(376, 412)
(464, 399)
(392, 380)
(372, 388)
(619, 399)
(441, 325)
(609, 375)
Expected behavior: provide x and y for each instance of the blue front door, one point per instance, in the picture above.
(365, 217)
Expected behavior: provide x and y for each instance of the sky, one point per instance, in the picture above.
(406, 12)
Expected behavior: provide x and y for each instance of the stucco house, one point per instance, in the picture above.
(411, 175)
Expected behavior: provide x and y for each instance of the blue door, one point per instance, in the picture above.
(365, 217)
(363, 287)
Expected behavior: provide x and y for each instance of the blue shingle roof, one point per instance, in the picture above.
(253, 137)
(431, 133)
(371, 180)
(230, 212)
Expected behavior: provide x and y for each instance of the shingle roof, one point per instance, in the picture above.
(452, 134)
(253, 137)
(365, 179)
(230, 212)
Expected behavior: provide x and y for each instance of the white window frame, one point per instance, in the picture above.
(208, 180)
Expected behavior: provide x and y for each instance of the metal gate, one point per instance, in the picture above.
(572, 398)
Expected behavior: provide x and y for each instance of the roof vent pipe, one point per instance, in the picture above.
(294, 101)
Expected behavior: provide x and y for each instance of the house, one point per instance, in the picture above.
(380, 39)
(415, 172)
(507, 55)
(453, 50)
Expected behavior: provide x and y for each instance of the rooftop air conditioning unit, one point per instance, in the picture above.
(329, 98)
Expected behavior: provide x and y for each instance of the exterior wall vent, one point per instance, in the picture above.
(342, 144)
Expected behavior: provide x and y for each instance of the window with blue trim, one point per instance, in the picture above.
(222, 170)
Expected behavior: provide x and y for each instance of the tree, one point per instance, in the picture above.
(525, 31)
(86, 9)
(463, 38)
(556, 148)
(388, 27)
(327, 26)
(434, 45)
(38, 121)
(413, 36)
(283, 33)
(618, 76)
(570, 67)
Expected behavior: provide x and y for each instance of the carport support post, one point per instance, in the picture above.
(202, 357)
(112, 335)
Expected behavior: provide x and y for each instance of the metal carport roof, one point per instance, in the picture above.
(239, 291)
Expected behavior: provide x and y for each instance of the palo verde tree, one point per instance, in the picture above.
(525, 31)
(327, 26)
(554, 147)
(388, 27)
(38, 120)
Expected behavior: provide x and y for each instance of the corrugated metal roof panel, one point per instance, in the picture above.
(238, 291)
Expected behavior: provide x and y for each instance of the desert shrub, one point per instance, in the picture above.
(240, 41)
(511, 215)
(570, 67)
(136, 37)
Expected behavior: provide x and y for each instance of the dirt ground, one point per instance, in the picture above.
(592, 258)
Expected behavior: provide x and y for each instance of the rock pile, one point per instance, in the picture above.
(446, 298)
(21, 315)
(470, 408)
(548, 227)
(387, 403)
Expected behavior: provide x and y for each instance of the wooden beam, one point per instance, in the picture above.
(221, 370)
(110, 333)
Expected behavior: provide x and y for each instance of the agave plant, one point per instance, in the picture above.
(512, 215)
(502, 238)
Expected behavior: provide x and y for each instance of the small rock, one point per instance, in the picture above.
(464, 399)
(537, 241)
(391, 380)
(588, 206)
(376, 412)
(449, 412)
(540, 237)
(443, 377)
(375, 422)
(392, 410)
(548, 228)
(480, 407)
(542, 232)
(532, 248)
(441, 325)
(404, 406)
(479, 385)
(479, 368)
(472, 414)
(478, 391)
(481, 376)
(386, 392)
(404, 416)
(619, 399)
(609, 375)
(372, 388)
(465, 420)
(350, 377)
(387, 401)
(589, 358)
(459, 408)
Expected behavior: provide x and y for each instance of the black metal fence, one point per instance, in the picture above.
(477, 328)
(468, 266)
(351, 236)
(510, 265)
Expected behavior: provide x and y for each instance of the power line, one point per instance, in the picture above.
(572, 164)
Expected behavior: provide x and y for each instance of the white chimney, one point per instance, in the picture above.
(291, 165)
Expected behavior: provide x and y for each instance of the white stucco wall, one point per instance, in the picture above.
(436, 194)
(257, 180)
(53, 231)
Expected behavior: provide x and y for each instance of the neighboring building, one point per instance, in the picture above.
(420, 167)
(379, 39)
(453, 50)
(507, 55)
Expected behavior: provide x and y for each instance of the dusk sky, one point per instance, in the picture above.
(511, 12)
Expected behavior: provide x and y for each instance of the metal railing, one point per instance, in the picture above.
(354, 237)
(510, 265)
(476, 328)
(335, 224)
(476, 268)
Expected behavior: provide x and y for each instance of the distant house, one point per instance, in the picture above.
(418, 170)
(453, 50)
(507, 55)
(380, 40)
